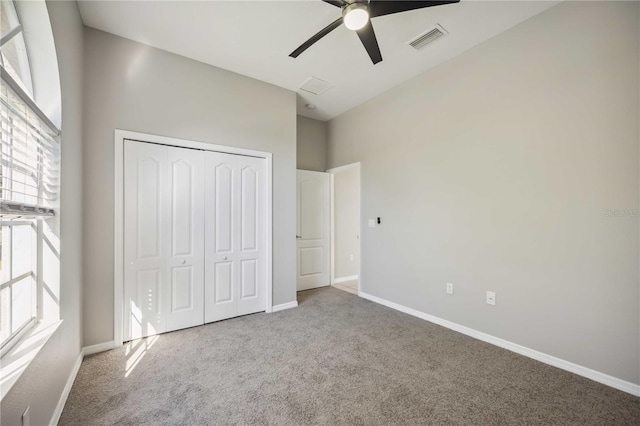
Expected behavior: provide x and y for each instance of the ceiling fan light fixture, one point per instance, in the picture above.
(355, 15)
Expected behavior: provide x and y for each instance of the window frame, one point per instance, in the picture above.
(21, 213)
(36, 271)
(15, 31)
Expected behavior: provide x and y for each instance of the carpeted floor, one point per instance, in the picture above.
(336, 359)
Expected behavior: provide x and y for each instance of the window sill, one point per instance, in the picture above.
(16, 361)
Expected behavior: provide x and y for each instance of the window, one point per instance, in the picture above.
(29, 168)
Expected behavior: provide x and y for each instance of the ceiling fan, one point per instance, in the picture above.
(357, 15)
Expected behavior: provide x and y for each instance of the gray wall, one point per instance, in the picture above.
(495, 171)
(41, 385)
(311, 144)
(131, 86)
(346, 214)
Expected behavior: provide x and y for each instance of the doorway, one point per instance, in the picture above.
(328, 229)
(345, 227)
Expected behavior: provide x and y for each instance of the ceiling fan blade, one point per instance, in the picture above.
(336, 3)
(323, 32)
(387, 7)
(368, 39)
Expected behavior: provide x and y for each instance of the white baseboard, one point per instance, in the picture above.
(284, 306)
(344, 279)
(87, 350)
(100, 347)
(67, 389)
(597, 376)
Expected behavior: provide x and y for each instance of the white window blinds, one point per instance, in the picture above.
(30, 159)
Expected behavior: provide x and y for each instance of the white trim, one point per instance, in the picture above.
(17, 359)
(120, 136)
(100, 347)
(118, 238)
(269, 219)
(594, 375)
(333, 171)
(284, 306)
(26, 327)
(87, 350)
(67, 389)
(344, 279)
(343, 168)
(332, 225)
(359, 226)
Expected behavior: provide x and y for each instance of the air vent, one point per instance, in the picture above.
(315, 86)
(428, 37)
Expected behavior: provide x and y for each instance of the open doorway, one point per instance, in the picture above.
(345, 227)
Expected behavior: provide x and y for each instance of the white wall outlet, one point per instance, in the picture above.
(491, 298)
(351, 257)
(449, 288)
(372, 223)
(26, 417)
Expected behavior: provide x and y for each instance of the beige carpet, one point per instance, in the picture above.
(339, 360)
(348, 286)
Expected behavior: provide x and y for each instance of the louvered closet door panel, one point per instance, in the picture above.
(221, 230)
(145, 239)
(251, 244)
(185, 279)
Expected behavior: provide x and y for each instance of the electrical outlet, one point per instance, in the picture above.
(26, 418)
(351, 257)
(372, 223)
(491, 298)
(449, 288)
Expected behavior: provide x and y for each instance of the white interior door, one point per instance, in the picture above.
(313, 229)
(235, 206)
(164, 243)
(185, 278)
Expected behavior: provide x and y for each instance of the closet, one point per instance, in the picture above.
(194, 237)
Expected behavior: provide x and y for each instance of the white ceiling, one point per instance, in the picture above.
(254, 38)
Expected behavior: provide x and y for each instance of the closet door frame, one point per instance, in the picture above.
(120, 137)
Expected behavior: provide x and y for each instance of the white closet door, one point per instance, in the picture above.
(185, 278)
(145, 248)
(164, 245)
(220, 227)
(251, 206)
(235, 265)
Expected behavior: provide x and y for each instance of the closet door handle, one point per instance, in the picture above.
(298, 237)
(183, 262)
(224, 258)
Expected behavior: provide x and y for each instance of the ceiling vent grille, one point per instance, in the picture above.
(315, 86)
(427, 37)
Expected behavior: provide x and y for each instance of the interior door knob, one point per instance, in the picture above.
(183, 262)
(224, 258)
(298, 237)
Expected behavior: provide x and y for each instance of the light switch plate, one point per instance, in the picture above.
(372, 223)
(491, 298)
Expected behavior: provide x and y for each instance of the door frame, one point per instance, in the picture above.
(118, 278)
(332, 172)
